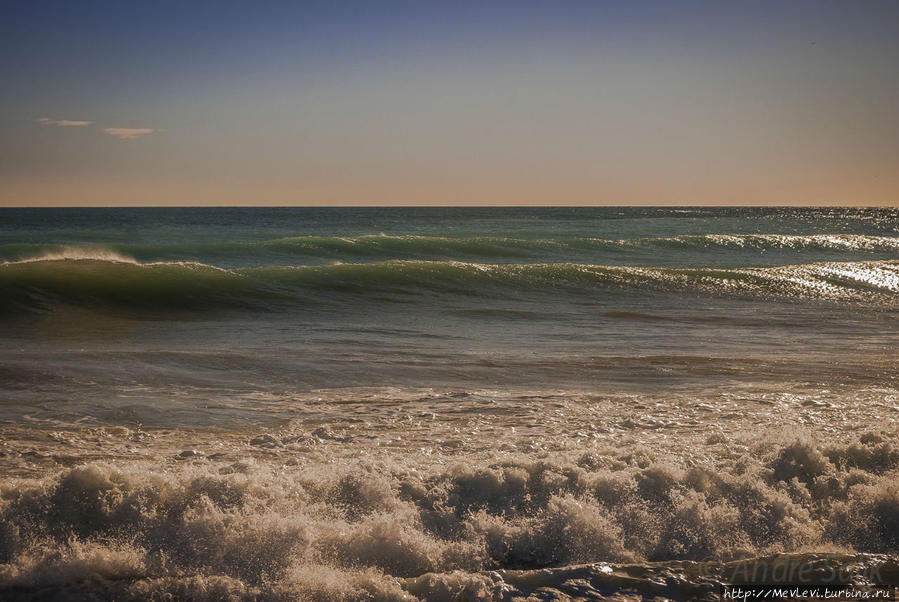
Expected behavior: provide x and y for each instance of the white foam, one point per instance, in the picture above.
(78, 253)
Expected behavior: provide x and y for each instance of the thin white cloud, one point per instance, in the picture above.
(64, 123)
(128, 133)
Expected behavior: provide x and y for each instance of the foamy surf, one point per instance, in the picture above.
(353, 512)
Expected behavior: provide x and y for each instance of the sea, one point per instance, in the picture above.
(434, 403)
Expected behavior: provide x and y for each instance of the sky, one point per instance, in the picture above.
(654, 102)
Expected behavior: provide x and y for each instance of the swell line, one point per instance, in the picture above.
(384, 247)
(121, 282)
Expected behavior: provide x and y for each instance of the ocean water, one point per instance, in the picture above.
(401, 403)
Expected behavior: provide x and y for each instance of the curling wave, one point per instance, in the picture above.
(122, 282)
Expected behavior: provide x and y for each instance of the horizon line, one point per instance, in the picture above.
(478, 206)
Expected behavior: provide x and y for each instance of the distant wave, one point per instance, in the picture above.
(118, 281)
(383, 247)
(848, 242)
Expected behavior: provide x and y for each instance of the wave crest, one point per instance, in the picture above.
(76, 253)
(118, 282)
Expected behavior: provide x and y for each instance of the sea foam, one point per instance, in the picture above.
(356, 529)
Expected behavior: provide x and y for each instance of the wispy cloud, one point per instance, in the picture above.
(64, 123)
(120, 133)
(128, 133)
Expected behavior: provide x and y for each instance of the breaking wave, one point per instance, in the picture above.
(120, 282)
(357, 530)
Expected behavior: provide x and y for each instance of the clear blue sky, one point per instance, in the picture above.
(391, 103)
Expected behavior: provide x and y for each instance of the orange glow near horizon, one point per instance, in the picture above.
(606, 103)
